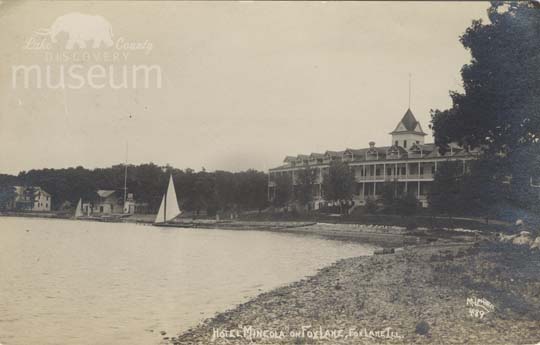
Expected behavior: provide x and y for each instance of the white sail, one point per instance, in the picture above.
(168, 209)
(160, 217)
(78, 211)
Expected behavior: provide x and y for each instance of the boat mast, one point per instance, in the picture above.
(125, 177)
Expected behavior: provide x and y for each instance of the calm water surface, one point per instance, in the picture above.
(87, 283)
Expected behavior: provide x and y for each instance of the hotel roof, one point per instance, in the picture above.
(408, 124)
(426, 151)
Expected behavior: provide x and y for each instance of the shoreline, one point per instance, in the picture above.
(379, 235)
(432, 294)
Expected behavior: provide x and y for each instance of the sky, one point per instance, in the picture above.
(243, 84)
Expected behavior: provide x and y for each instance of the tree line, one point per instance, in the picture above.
(337, 185)
(200, 191)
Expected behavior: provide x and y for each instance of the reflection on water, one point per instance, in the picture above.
(87, 283)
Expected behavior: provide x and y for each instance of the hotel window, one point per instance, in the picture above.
(396, 143)
(405, 143)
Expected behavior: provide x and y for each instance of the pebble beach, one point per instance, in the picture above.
(444, 293)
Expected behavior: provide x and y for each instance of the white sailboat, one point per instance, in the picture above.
(79, 211)
(168, 210)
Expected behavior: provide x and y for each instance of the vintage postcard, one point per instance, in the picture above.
(269, 172)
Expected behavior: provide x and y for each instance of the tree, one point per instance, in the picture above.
(444, 196)
(338, 183)
(305, 181)
(484, 186)
(499, 109)
(225, 188)
(252, 192)
(7, 196)
(283, 190)
(389, 195)
(406, 205)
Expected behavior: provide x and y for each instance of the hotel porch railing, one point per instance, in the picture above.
(389, 178)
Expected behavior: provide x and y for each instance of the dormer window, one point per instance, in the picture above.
(405, 143)
(393, 152)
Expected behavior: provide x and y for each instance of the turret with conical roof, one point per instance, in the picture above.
(408, 131)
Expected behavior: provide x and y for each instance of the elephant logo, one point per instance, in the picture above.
(80, 29)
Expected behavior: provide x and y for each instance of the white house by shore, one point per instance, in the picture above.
(31, 198)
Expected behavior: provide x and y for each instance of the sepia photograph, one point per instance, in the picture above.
(269, 172)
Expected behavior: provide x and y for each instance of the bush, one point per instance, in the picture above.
(411, 225)
(371, 205)
(406, 205)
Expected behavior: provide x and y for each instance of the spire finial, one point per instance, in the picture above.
(410, 76)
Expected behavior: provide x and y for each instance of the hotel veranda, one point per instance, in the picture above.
(408, 162)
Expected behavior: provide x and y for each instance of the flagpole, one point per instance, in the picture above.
(125, 175)
(409, 90)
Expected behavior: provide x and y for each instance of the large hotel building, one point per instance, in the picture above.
(409, 162)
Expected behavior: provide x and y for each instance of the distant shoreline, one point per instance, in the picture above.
(379, 235)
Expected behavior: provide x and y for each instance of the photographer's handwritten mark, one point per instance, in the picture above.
(479, 307)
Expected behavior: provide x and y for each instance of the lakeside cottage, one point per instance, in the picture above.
(408, 161)
(30, 198)
(108, 202)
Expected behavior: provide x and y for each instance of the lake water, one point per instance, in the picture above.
(88, 283)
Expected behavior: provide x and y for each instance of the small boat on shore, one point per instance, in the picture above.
(169, 209)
